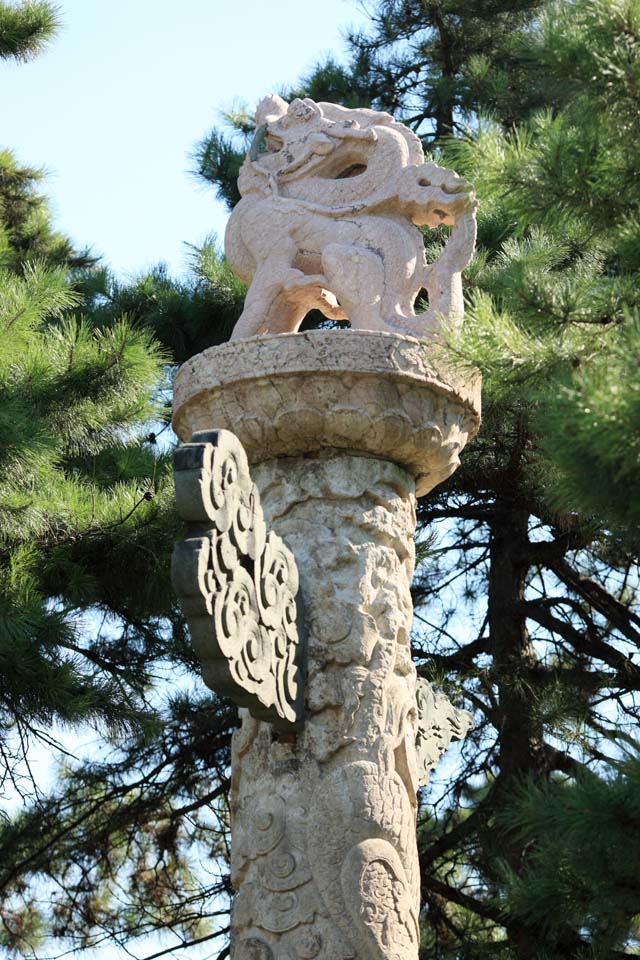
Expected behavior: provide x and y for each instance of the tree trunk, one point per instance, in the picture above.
(520, 734)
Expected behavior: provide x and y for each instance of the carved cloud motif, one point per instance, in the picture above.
(237, 583)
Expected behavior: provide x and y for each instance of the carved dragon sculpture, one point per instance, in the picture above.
(331, 203)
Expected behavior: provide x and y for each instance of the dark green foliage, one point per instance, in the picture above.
(594, 435)
(86, 528)
(26, 27)
(218, 159)
(331, 82)
(531, 590)
(26, 232)
(71, 394)
(554, 318)
(185, 316)
(434, 65)
(585, 865)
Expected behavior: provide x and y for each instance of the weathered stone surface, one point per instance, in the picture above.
(341, 427)
(331, 201)
(328, 390)
(324, 853)
(237, 583)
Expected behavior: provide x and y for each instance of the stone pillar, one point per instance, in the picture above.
(342, 429)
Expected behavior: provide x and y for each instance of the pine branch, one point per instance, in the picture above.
(461, 660)
(485, 910)
(628, 674)
(50, 840)
(617, 613)
(561, 760)
(192, 943)
(25, 28)
(452, 838)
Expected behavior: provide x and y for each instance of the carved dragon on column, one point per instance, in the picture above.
(323, 852)
(334, 742)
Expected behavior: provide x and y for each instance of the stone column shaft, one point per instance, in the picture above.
(323, 826)
(342, 429)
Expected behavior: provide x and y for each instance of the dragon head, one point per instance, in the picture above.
(301, 138)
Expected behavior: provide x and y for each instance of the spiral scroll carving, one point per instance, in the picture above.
(237, 583)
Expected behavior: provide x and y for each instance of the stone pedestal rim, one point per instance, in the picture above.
(369, 392)
(290, 354)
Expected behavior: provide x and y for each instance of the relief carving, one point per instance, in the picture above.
(252, 949)
(380, 901)
(290, 396)
(237, 583)
(439, 722)
(305, 813)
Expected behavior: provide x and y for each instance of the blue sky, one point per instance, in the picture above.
(116, 103)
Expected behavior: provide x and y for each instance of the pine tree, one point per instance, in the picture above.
(186, 315)
(27, 231)
(553, 325)
(86, 526)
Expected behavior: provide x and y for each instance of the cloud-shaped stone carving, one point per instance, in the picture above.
(237, 583)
